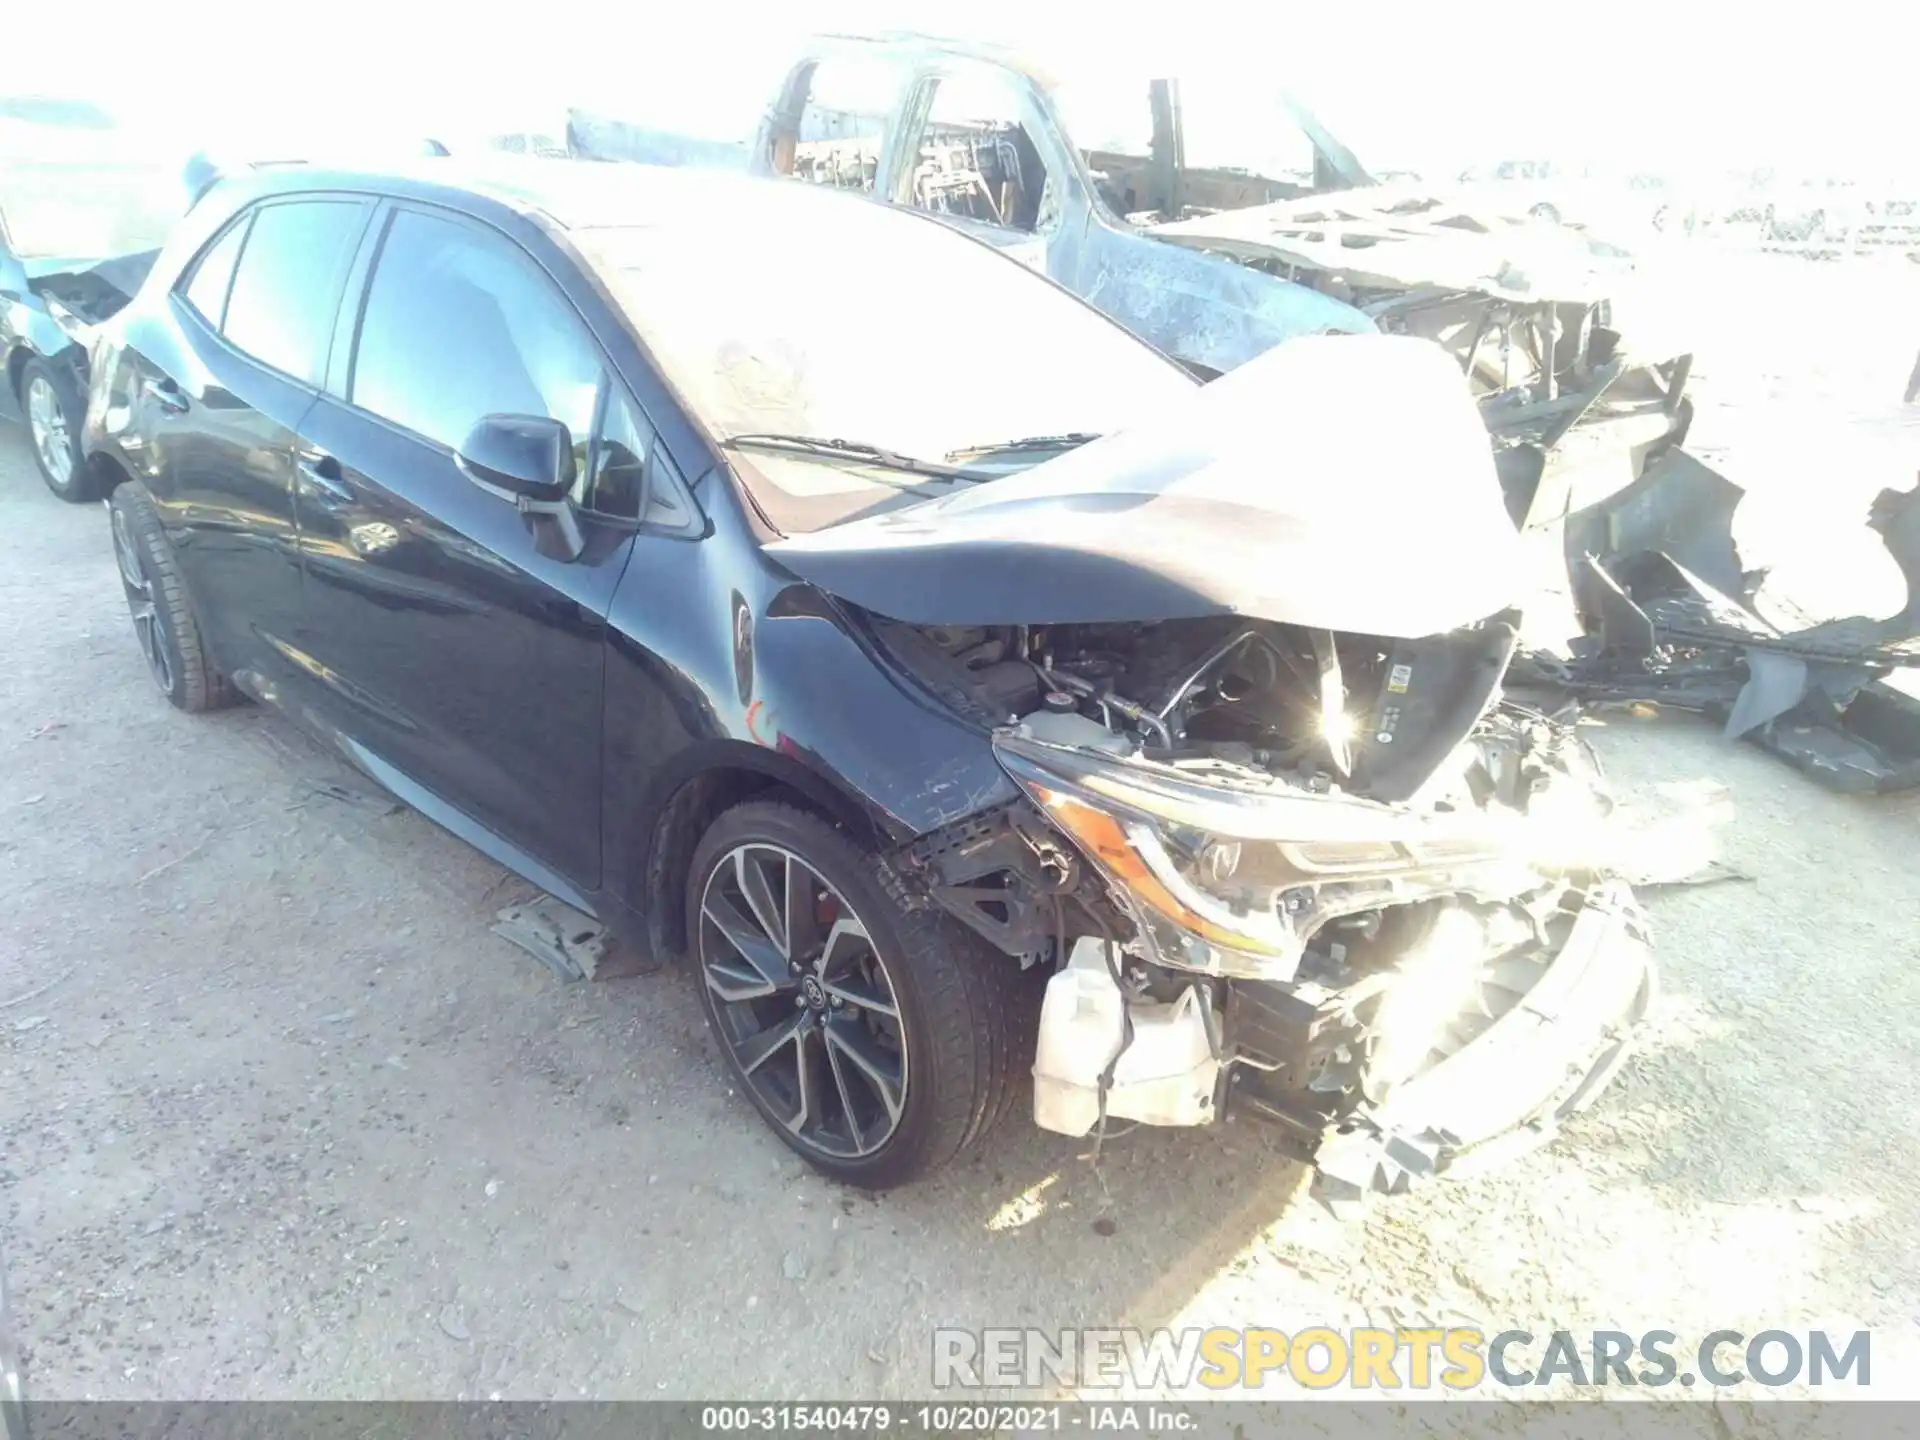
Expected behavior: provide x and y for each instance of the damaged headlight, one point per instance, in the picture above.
(1234, 878)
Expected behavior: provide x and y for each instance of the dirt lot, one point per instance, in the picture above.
(279, 1117)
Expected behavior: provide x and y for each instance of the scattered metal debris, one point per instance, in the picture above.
(1713, 872)
(34, 994)
(572, 945)
(373, 803)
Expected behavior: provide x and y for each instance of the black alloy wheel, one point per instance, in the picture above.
(163, 622)
(877, 1039)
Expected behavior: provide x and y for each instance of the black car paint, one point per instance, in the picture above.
(564, 718)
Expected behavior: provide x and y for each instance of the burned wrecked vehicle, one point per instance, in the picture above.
(76, 240)
(1274, 232)
(983, 721)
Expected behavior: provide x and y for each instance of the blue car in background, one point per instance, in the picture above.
(83, 213)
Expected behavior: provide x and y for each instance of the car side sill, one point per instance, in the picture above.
(456, 821)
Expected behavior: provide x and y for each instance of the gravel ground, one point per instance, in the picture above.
(280, 1118)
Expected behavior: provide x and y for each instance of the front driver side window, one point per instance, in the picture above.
(975, 157)
(622, 484)
(459, 323)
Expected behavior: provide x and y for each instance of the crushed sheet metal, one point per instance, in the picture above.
(1260, 494)
(1564, 1041)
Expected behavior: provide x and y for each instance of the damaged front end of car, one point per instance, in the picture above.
(1285, 845)
(1243, 924)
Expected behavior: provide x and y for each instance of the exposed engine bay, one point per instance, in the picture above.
(1302, 874)
(1317, 708)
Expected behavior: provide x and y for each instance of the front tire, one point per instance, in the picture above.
(163, 622)
(54, 410)
(876, 1038)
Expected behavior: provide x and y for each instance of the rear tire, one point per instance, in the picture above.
(169, 636)
(875, 1095)
(54, 412)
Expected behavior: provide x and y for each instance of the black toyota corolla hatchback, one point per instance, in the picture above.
(979, 701)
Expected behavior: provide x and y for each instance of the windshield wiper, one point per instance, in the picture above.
(850, 450)
(1072, 440)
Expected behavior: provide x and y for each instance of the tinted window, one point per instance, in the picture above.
(460, 324)
(287, 288)
(620, 462)
(207, 290)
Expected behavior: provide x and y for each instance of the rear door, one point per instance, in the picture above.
(449, 649)
(254, 314)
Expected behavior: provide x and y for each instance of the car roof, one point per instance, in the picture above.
(584, 194)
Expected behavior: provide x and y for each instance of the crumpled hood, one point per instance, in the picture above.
(1412, 236)
(92, 289)
(1339, 482)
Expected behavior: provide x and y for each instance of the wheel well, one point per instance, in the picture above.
(685, 818)
(109, 471)
(16, 362)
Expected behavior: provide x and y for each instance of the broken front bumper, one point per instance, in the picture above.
(1502, 1093)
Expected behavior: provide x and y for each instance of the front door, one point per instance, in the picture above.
(972, 160)
(446, 646)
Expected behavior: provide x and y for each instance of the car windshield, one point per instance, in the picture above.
(852, 322)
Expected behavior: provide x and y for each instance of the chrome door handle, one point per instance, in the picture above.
(320, 475)
(164, 393)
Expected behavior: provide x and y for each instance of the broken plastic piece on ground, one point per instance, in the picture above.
(572, 945)
(1869, 746)
(1674, 623)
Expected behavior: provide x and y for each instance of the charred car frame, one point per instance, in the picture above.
(1217, 265)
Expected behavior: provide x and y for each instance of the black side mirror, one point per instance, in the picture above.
(519, 457)
(527, 460)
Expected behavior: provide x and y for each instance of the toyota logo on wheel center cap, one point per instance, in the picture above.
(814, 993)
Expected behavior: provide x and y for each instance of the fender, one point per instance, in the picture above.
(761, 680)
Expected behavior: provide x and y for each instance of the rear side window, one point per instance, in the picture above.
(286, 290)
(206, 292)
(459, 323)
